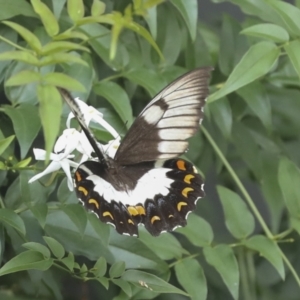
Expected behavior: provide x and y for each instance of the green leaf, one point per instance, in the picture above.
(270, 32)
(100, 228)
(78, 216)
(18, 7)
(38, 248)
(69, 261)
(104, 281)
(64, 81)
(269, 249)
(26, 124)
(189, 12)
(257, 61)
(148, 79)
(292, 50)
(289, 14)
(288, 178)
(222, 114)
(61, 46)
(4, 143)
(88, 245)
(117, 97)
(10, 218)
(198, 231)
(40, 211)
(117, 269)
(134, 253)
(22, 56)
(98, 8)
(232, 44)
(50, 110)
(85, 75)
(100, 267)
(27, 35)
(257, 99)
(238, 219)
(223, 260)
(58, 58)
(191, 277)
(135, 27)
(56, 248)
(23, 77)
(150, 282)
(48, 19)
(124, 285)
(27, 260)
(166, 245)
(75, 10)
(23, 163)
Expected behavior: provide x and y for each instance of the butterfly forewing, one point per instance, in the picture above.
(173, 116)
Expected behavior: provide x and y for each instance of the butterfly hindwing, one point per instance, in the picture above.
(165, 210)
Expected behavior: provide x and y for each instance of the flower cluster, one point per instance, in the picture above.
(72, 140)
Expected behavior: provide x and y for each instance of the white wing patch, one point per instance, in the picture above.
(152, 114)
(150, 184)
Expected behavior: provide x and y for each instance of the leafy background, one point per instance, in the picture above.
(243, 240)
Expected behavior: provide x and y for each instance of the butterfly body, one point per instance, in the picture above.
(146, 183)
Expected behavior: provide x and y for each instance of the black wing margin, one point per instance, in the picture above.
(163, 127)
(80, 118)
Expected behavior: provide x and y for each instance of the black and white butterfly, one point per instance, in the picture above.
(146, 183)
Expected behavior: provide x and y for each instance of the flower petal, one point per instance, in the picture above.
(52, 167)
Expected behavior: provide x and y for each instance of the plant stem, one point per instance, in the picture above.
(249, 200)
(239, 184)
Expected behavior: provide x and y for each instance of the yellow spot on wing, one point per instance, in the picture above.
(154, 218)
(171, 216)
(133, 211)
(181, 165)
(140, 209)
(78, 177)
(82, 189)
(130, 221)
(180, 204)
(95, 202)
(188, 178)
(108, 214)
(185, 191)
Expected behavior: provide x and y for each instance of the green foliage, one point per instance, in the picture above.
(242, 242)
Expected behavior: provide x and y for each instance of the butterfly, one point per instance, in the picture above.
(146, 183)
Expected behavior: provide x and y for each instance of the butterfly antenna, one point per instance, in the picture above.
(74, 107)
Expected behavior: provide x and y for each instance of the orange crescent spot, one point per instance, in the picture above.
(78, 177)
(108, 214)
(181, 165)
(94, 201)
(186, 191)
(132, 210)
(140, 209)
(180, 204)
(82, 189)
(130, 222)
(188, 178)
(154, 218)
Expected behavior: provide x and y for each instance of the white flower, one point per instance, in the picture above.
(71, 140)
(58, 161)
(92, 114)
(111, 147)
